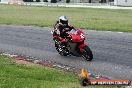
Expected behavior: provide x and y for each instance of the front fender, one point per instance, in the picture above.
(81, 47)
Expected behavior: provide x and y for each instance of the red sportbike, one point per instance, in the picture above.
(73, 45)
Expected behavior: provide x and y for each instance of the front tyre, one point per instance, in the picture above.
(87, 53)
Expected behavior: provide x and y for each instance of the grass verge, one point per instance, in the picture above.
(13, 75)
(88, 18)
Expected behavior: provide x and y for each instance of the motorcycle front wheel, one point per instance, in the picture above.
(87, 53)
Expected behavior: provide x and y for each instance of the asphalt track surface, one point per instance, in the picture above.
(112, 50)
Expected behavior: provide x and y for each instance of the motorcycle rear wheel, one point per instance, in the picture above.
(87, 53)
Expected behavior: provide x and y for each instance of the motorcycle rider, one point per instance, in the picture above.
(60, 31)
(61, 28)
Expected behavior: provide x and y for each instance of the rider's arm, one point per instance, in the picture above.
(56, 25)
(70, 27)
(57, 29)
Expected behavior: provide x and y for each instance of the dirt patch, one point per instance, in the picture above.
(24, 62)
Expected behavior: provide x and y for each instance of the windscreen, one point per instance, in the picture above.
(73, 31)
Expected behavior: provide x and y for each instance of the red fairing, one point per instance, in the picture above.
(79, 37)
(81, 47)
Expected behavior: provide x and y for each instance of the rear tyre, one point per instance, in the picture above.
(87, 53)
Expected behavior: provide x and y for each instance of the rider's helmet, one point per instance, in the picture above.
(63, 20)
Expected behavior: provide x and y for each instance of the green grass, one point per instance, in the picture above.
(88, 18)
(14, 75)
(19, 76)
